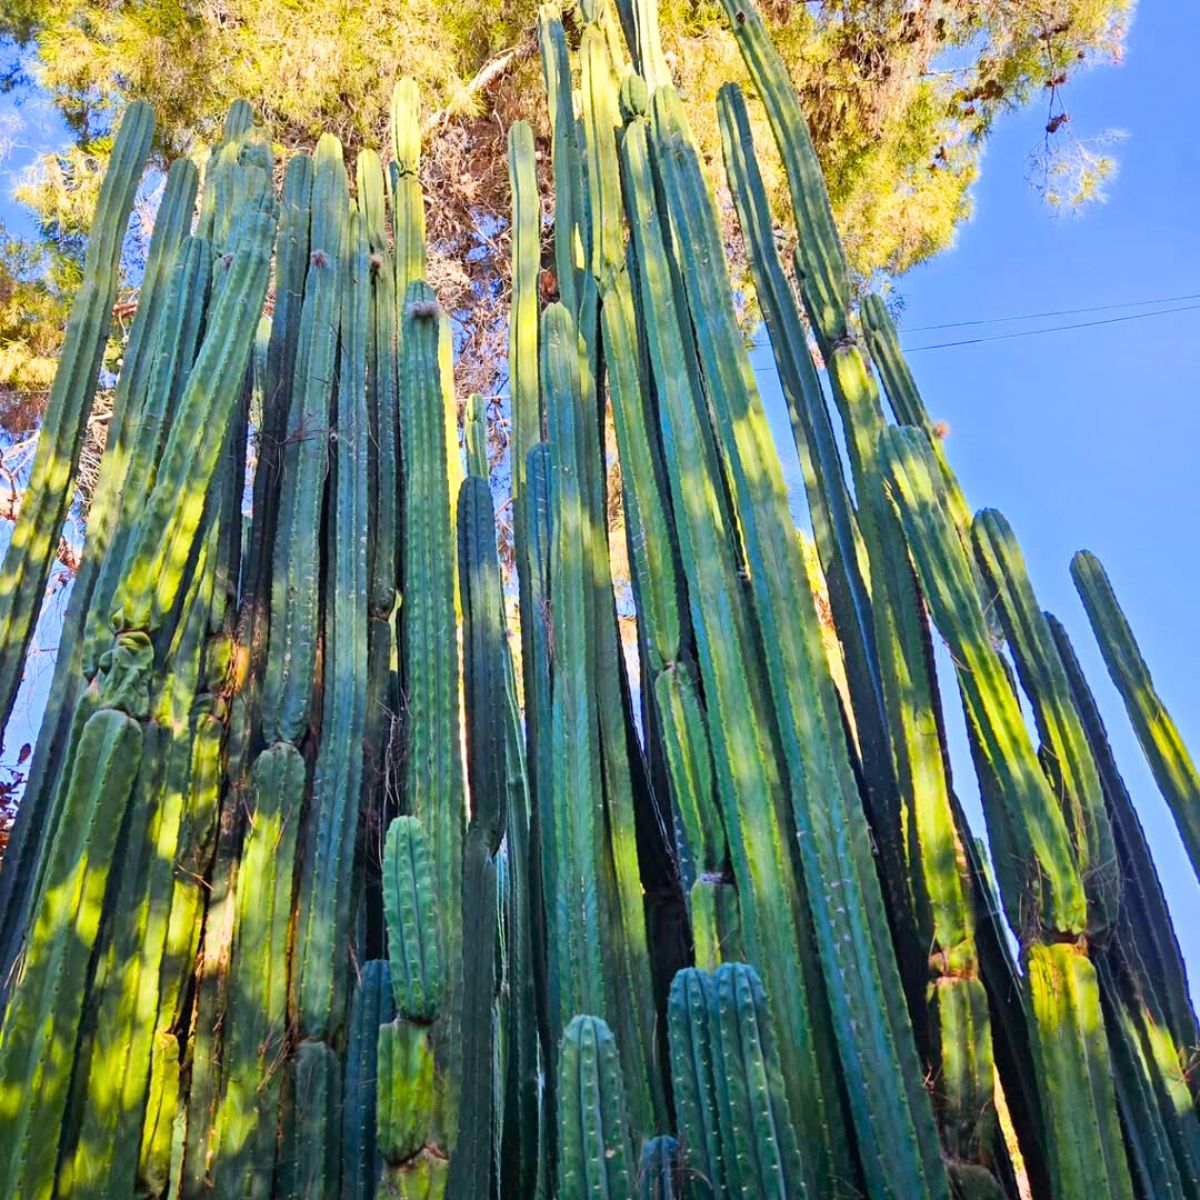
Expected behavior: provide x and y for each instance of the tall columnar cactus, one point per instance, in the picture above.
(371, 1007)
(1042, 889)
(126, 987)
(1065, 751)
(408, 204)
(295, 591)
(734, 1123)
(44, 1013)
(893, 1120)
(44, 505)
(203, 862)
(747, 785)
(327, 867)
(433, 780)
(411, 1109)
(523, 319)
(486, 688)
(1169, 759)
(594, 1155)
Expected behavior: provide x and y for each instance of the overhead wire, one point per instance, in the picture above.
(1054, 312)
(1003, 337)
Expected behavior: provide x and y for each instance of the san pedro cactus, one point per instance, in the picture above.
(44, 506)
(595, 1159)
(1169, 759)
(371, 1007)
(735, 1127)
(232, 968)
(46, 1007)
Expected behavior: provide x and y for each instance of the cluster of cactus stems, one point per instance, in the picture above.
(324, 886)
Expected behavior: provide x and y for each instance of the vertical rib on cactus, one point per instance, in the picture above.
(411, 1101)
(291, 268)
(326, 878)
(1065, 750)
(573, 817)
(162, 544)
(383, 391)
(1145, 920)
(43, 1016)
(311, 1147)
(243, 1139)
(371, 1007)
(475, 437)
(408, 204)
(734, 1123)
(486, 700)
(893, 1120)
(594, 1156)
(1042, 891)
(44, 505)
(433, 768)
(571, 249)
(1169, 759)
(524, 395)
(113, 1083)
(295, 590)
(742, 753)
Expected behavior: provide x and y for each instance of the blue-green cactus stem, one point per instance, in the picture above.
(326, 878)
(1170, 761)
(34, 540)
(295, 590)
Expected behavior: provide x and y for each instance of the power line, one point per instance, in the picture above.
(1003, 337)
(1054, 312)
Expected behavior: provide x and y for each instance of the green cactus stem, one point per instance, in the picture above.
(295, 594)
(31, 549)
(595, 1159)
(327, 875)
(46, 1007)
(1169, 759)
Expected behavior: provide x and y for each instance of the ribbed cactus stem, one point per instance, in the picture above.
(408, 203)
(893, 1120)
(243, 1139)
(1041, 887)
(572, 820)
(594, 1155)
(433, 780)
(486, 696)
(34, 540)
(1170, 761)
(166, 532)
(126, 987)
(326, 880)
(746, 778)
(571, 233)
(371, 1007)
(524, 394)
(734, 1122)
(44, 1013)
(1065, 749)
(295, 594)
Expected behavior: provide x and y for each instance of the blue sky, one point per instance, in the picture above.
(1086, 438)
